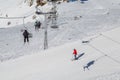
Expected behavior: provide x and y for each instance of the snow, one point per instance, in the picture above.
(98, 24)
(55, 63)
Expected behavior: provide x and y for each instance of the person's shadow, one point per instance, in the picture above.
(80, 55)
(88, 64)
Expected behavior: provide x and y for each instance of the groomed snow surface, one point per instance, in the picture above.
(98, 26)
(56, 63)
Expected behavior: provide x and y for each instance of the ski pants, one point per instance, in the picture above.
(26, 39)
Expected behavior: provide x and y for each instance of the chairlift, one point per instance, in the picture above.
(54, 26)
(38, 11)
(37, 25)
(30, 35)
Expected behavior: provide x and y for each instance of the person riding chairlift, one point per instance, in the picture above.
(37, 25)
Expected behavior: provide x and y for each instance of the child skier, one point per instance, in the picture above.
(75, 53)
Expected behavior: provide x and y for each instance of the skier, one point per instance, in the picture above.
(75, 53)
(26, 36)
(37, 25)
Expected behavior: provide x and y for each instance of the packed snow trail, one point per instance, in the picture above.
(55, 63)
(93, 21)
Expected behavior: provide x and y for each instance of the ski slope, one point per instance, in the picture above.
(55, 63)
(95, 22)
(13, 10)
(91, 23)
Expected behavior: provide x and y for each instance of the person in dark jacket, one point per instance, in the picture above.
(26, 36)
(75, 53)
(37, 25)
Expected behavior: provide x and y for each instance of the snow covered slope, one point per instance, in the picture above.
(93, 21)
(15, 9)
(20, 8)
(56, 64)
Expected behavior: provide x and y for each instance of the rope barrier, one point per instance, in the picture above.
(18, 18)
(15, 18)
(95, 37)
(100, 57)
(111, 39)
(12, 17)
(104, 54)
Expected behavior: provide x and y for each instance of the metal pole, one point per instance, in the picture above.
(24, 23)
(45, 34)
(54, 17)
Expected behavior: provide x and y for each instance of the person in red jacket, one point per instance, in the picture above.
(75, 53)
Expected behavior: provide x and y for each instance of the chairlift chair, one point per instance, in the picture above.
(54, 26)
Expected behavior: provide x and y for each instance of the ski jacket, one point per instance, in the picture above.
(75, 52)
(25, 33)
(37, 23)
